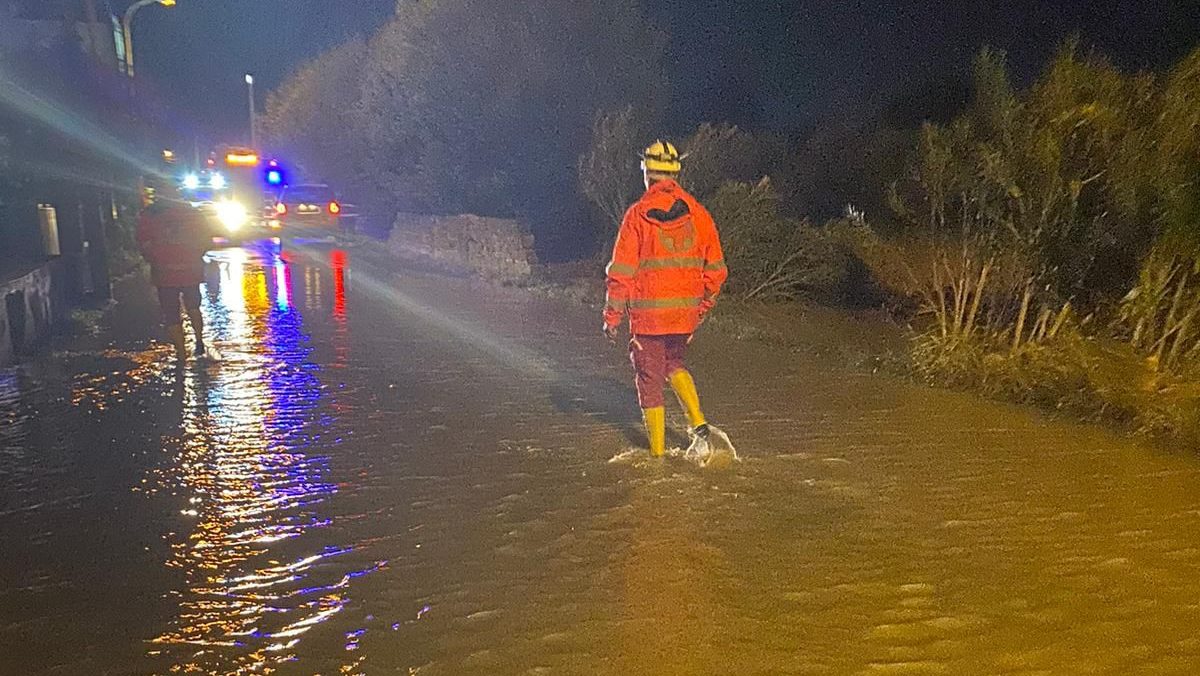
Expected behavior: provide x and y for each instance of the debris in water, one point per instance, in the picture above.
(713, 451)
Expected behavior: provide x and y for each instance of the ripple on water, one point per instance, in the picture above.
(371, 489)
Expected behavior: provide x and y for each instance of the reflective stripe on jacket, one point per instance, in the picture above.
(667, 267)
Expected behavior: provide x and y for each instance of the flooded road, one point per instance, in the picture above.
(404, 474)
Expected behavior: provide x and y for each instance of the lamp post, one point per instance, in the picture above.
(127, 28)
(253, 134)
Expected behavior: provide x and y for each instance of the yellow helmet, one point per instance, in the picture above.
(662, 157)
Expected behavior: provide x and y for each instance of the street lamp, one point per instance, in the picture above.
(253, 135)
(127, 28)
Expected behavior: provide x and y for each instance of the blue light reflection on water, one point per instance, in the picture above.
(283, 289)
(250, 467)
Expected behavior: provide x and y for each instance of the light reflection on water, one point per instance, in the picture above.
(874, 527)
(15, 415)
(254, 583)
(101, 391)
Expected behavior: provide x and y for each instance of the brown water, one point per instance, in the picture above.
(404, 474)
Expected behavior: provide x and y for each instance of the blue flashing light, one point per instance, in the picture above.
(274, 177)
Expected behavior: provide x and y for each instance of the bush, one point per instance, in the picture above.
(461, 107)
(609, 174)
(716, 154)
(482, 107)
(772, 257)
(313, 117)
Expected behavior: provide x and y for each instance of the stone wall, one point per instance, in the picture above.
(31, 304)
(494, 248)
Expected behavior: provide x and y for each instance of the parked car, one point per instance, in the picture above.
(312, 206)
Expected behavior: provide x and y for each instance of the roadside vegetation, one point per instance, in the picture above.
(1048, 237)
(1040, 243)
(460, 107)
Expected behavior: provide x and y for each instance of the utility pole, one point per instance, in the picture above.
(253, 131)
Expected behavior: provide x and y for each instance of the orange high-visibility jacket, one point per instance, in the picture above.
(174, 238)
(667, 267)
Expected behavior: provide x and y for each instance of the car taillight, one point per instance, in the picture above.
(335, 208)
(280, 208)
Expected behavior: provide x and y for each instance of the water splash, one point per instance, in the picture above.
(715, 451)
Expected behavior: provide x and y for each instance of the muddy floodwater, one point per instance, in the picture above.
(404, 474)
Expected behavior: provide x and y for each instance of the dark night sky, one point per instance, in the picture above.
(786, 64)
(777, 64)
(200, 50)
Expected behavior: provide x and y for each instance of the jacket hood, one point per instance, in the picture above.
(664, 205)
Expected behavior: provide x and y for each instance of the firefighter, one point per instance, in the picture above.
(666, 270)
(173, 237)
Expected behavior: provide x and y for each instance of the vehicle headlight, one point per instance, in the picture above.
(217, 181)
(231, 214)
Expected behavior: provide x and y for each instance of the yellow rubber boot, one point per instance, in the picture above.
(689, 399)
(175, 335)
(656, 429)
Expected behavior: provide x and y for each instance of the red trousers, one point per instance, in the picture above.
(654, 359)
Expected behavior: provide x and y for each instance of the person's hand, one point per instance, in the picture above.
(699, 323)
(610, 332)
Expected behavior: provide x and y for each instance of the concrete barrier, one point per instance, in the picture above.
(32, 303)
(494, 248)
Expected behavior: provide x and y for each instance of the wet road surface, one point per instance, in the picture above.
(404, 474)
